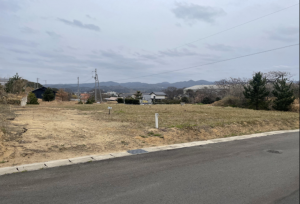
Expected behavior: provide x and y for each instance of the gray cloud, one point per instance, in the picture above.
(9, 5)
(71, 48)
(53, 34)
(29, 60)
(284, 34)
(19, 51)
(78, 24)
(14, 41)
(177, 53)
(219, 47)
(28, 30)
(89, 17)
(194, 12)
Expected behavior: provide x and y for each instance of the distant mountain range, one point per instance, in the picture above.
(129, 87)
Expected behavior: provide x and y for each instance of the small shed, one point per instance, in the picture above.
(40, 92)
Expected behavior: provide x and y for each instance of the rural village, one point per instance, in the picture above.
(149, 102)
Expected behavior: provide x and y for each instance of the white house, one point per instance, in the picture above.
(154, 95)
(158, 95)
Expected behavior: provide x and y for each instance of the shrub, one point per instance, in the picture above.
(89, 101)
(48, 95)
(132, 101)
(120, 100)
(185, 99)
(80, 102)
(32, 99)
(218, 99)
(207, 100)
(230, 101)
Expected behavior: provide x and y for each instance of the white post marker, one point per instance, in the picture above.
(109, 110)
(156, 120)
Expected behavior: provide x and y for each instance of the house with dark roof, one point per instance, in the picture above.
(40, 92)
(154, 96)
(158, 95)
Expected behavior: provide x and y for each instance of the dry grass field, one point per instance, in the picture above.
(59, 130)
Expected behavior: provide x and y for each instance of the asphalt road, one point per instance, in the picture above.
(232, 172)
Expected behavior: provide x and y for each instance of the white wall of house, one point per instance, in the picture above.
(157, 97)
(160, 97)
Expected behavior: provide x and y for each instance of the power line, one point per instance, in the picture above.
(229, 59)
(87, 80)
(237, 26)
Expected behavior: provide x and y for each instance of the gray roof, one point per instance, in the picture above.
(159, 93)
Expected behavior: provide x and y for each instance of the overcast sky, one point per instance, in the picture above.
(60, 40)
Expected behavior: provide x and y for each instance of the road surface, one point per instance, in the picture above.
(241, 171)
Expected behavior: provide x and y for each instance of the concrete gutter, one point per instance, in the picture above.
(92, 158)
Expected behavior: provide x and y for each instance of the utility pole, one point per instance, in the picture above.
(77, 87)
(37, 83)
(97, 83)
(45, 82)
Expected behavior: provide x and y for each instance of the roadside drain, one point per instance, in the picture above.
(274, 151)
(137, 151)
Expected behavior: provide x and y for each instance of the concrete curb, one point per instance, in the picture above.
(91, 158)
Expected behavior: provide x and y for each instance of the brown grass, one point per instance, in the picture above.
(57, 130)
(295, 106)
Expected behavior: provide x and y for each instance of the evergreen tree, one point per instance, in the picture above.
(32, 99)
(138, 95)
(284, 95)
(256, 91)
(48, 95)
(10, 84)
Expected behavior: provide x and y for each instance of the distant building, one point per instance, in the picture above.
(158, 95)
(84, 97)
(112, 93)
(200, 87)
(126, 95)
(40, 92)
(3, 81)
(111, 99)
(153, 96)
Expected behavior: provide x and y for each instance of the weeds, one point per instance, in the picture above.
(124, 143)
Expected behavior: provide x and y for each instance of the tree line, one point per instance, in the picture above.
(272, 90)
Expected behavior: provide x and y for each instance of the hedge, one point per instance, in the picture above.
(120, 100)
(132, 101)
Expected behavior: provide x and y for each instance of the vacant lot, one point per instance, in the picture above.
(54, 130)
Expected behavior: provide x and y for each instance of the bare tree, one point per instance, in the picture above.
(173, 92)
(233, 86)
(272, 76)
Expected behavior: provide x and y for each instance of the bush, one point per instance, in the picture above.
(80, 102)
(132, 101)
(120, 100)
(185, 99)
(48, 95)
(89, 101)
(230, 101)
(207, 100)
(218, 99)
(32, 99)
